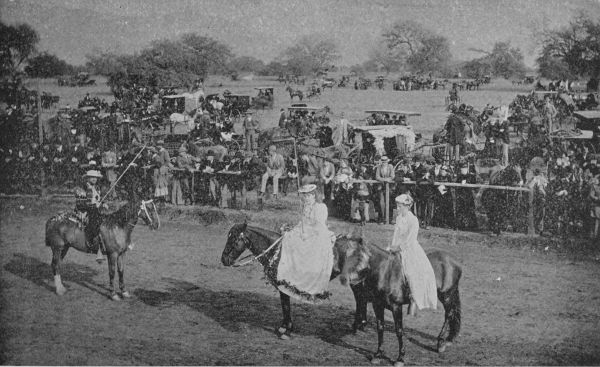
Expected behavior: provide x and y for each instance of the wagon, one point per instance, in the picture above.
(387, 137)
(236, 105)
(589, 121)
(264, 99)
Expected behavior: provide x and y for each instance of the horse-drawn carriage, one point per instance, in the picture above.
(589, 121)
(264, 99)
(78, 80)
(387, 132)
(236, 105)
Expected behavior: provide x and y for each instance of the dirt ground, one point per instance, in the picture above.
(525, 301)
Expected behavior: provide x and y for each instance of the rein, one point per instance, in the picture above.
(238, 264)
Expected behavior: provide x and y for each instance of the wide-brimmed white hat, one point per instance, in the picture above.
(404, 199)
(385, 158)
(306, 189)
(93, 173)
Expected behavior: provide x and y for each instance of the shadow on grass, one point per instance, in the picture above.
(233, 308)
(40, 273)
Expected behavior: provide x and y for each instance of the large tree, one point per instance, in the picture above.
(503, 60)
(165, 62)
(46, 65)
(422, 50)
(576, 46)
(310, 54)
(17, 46)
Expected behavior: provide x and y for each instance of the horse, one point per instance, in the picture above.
(376, 278)
(499, 204)
(242, 237)
(294, 93)
(327, 84)
(64, 231)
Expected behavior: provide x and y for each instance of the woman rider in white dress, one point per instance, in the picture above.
(307, 252)
(415, 264)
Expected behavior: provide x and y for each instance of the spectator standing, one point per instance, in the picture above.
(251, 132)
(109, 162)
(275, 169)
(384, 173)
(465, 202)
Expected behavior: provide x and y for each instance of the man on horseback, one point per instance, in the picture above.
(87, 204)
(307, 252)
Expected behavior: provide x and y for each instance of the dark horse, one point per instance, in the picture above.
(294, 93)
(448, 272)
(383, 283)
(501, 205)
(63, 231)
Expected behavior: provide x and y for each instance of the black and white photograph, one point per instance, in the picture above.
(299, 182)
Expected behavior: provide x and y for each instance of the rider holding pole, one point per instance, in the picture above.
(88, 201)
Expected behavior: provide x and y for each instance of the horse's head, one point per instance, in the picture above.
(147, 211)
(351, 258)
(237, 243)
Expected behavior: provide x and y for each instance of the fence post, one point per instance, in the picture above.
(387, 203)
(530, 218)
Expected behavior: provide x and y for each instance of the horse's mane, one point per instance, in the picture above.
(264, 232)
(122, 215)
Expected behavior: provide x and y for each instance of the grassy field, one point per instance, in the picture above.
(523, 303)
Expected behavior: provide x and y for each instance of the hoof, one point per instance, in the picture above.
(115, 297)
(399, 364)
(376, 360)
(61, 291)
(442, 346)
(284, 337)
(125, 295)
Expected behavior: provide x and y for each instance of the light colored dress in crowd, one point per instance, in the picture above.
(307, 256)
(416, 265)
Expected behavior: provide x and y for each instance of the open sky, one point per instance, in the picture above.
(263, 28)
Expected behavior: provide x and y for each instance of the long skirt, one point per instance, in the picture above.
(305, 266)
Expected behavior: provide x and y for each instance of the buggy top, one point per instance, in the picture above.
(394, 112)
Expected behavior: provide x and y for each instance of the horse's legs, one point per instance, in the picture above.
(112, 262)
(121, 270)
(360, 315)
(397, 313)
(452, 318)
(286, 324)
(379, 309)
(58, 253)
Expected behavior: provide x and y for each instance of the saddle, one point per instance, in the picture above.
(75, 217)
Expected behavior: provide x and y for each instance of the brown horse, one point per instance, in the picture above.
(63, 232)
(358, 264)
(295, 93)
(383, 283)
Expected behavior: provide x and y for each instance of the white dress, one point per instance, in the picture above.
(416, 265)
(307, 256)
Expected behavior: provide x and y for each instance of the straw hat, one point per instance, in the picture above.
(404, 199)
(93, 173)
(385, 159)
(307, 189)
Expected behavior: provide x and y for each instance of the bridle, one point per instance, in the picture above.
(246, 241)
(144, 208)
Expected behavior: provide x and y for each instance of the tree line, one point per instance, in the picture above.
(569, 52)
